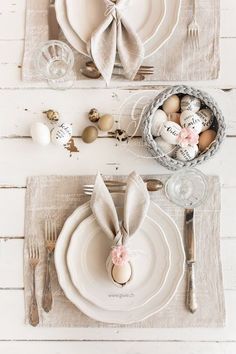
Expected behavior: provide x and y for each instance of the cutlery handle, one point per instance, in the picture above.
(33, 311)
(47, 292)
(191, 299)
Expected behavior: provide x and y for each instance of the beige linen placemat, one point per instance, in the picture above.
(175, 61)
(58, 196)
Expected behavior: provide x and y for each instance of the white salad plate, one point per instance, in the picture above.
(164, 29)
(156, 304)
(145, 16)
(86, 259)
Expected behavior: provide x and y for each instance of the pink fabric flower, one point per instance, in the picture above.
(187, 136)
(119, 255)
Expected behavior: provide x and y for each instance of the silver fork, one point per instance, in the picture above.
(50, 243)
(33, 251)
(193, 29)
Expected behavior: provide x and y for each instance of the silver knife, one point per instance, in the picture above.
(190, 245)
(53, 26)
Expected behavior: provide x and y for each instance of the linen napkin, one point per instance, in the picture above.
(116, 35)
(136, 204)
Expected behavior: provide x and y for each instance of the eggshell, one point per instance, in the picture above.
(170, 132)
(207, 117)
(191, 120)
(89, 134)
(122, 274)
(172, 104)
(106, 122)
(61, 134)
(159, 117)
(206, 138)
(40, 134)
(190, 103)
(187, 154)
(174, 117)
(168, 149)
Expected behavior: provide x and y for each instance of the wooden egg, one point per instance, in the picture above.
(40, 134)
(207, 117)
(168, 149)
(89, 134)
(121, 274)
(61, 134)
(170, 132)
(172, 104)
(159, 117)
(187, 154)
(206, 138)
(191, 120)
(190, 103)
(106, 122)
(174, 117)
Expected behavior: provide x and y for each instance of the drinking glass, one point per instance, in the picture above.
(54, 61)
(187, 188)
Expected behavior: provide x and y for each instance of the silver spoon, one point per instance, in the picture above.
(93, 73)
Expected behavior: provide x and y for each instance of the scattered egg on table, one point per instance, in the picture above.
(93, 115)
(174, 117)
(159, 117)
(187, 153)
(172, 104)
(121, 274)
(89, 134)
(207, 117)
(206, 139)
(168, 149)
(40, 133)
(190, 103)
(106, 122)
(62, 134)
(191, 120)
(170, 132)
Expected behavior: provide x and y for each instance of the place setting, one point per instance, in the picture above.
(114, 40)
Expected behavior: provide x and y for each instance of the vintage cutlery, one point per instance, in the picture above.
(91, 64)
(193, 29)
(50, 243)
(153, 185)
(33, 251)
(53, 26)
(190, 243)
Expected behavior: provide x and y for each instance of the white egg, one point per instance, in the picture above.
(168, 149)
(190, 103)
(40, 133)
(207, 117)
(122, 274)
(159, 117)
(170, 132)
(191, 120)
(187, 154)
(62, 134)
(172, 104)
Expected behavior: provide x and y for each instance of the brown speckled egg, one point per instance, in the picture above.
(106, 122)
(89, 134)
(206, 138)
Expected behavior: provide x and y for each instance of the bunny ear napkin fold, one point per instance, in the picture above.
(115, 35)
(136, 203)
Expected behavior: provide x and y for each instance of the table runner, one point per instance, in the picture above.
(175, 61)
(58, 197)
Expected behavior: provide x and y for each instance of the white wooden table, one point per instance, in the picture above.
(20, 105)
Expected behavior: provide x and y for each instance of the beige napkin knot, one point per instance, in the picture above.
(136, 203)
(115, 35)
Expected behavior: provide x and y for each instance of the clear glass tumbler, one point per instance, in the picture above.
(186, 188)
(54, 61)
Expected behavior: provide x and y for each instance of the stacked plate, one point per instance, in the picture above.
(153, 20)
(158, 262)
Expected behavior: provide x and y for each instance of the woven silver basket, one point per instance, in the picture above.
(150, 143)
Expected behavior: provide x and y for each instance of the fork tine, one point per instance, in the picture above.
(55, 232)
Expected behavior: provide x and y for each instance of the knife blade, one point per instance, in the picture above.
(190, 247)
(53, 26)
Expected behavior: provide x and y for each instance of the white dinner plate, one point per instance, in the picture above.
(145, 16)
(156, 304)
(160, 37)
(86, 259)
